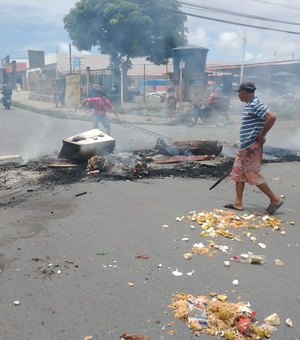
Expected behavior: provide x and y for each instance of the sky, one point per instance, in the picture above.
(38, 25)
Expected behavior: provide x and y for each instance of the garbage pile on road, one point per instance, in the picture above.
(225, 223)
(216, 317)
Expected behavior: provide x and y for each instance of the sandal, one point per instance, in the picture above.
(272, 208)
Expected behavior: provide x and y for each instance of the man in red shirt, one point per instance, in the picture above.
(101, 104)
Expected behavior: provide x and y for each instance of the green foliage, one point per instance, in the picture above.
(127, 28)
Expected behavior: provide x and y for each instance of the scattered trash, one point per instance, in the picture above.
(249, 258)
(130, 284)
(272, 320)
(142, 257)
(165, 226)
(256, 259)
(17, 303)
(97, 164)
(102, 253)
(217, 317)
(185, 239)
(279, 263)
(88, 337)
(217, 222)
(126, 336)
(244, 323)
(283, 233)
(188, 256)
(235, 282)
(199, 248)
(289, 322)
(197, 312)
(227, 263)
(190, 273)
(177, 273)
(292, 223)
(81, 193)
(159, 266)
(180, 219)
(262, 245)
(222, 297)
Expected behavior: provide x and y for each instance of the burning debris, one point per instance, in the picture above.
(97, 164)
(91, 153)
(188, 148)
(86, 145)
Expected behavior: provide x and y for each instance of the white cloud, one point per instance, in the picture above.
(199, 37)
(228, 41)
(22, 12)
(39, 23)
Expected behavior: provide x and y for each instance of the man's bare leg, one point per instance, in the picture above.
(239, 190)
(267, 191)
(238, 202)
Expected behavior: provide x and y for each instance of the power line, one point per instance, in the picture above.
(235, 13)
(239, 24)
(278, 5)
(227, 21)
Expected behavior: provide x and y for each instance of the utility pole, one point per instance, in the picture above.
(123, 60)
(243, 58)
(70, 57)
(181, 67)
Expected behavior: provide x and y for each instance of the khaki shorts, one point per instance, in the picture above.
(247, 164)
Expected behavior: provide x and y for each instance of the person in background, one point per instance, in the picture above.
(61, 95)
(171, 103)
(256, 122)
(7, 93)
(213, 98)
(101, 104)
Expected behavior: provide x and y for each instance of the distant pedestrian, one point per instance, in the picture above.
(101, 104)
(257, 120)
(55, 95)
(171, 103)
(61, 95)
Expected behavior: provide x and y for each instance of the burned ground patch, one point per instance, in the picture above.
(46, 172)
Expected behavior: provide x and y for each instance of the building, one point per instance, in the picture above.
(279, 77)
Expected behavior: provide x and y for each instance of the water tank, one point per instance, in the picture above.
(189, 77)
(194, 58)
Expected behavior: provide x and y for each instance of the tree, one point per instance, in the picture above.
(125, 29)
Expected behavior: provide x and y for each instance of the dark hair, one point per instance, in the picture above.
(246, 86)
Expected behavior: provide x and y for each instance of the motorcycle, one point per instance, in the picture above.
(216, 114)
(6, 101)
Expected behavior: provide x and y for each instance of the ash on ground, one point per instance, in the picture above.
(159, 162)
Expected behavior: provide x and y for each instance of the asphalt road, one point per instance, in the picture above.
(92, 241)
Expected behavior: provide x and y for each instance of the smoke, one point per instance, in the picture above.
(38, 143)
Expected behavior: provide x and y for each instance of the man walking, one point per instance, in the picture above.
(257, 120)
(101, 104)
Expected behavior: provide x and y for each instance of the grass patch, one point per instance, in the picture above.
(51, 113)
